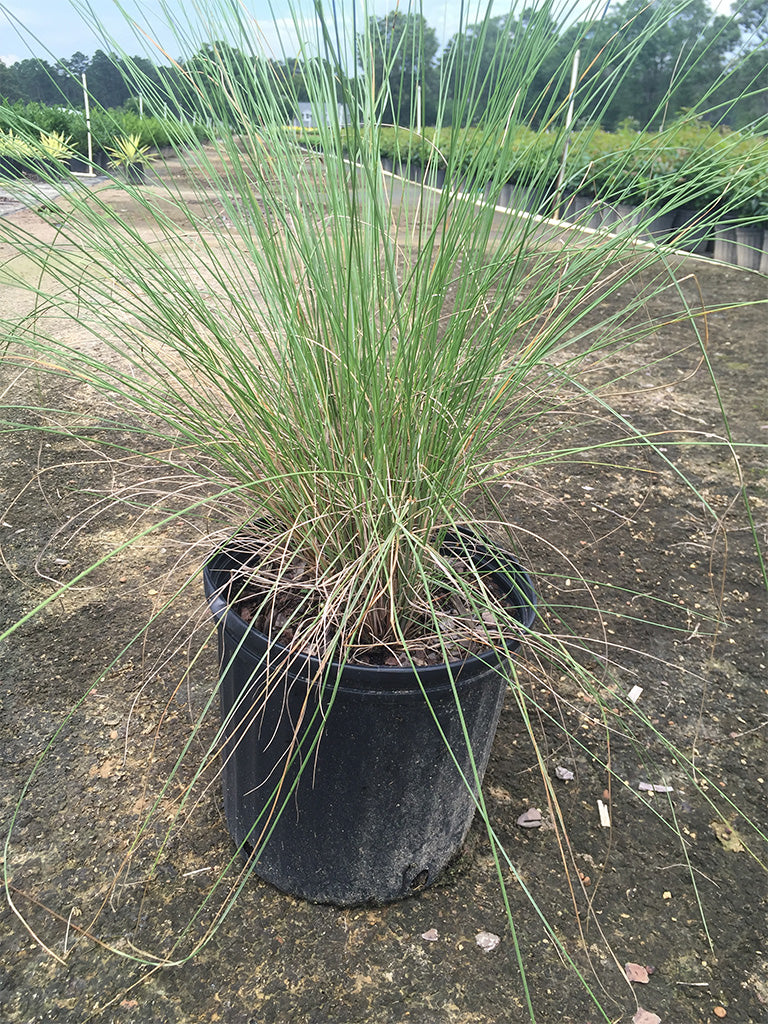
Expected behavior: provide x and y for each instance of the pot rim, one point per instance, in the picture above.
(516, 581)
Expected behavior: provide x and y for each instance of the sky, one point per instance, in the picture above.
(54, 27)
(59, 28)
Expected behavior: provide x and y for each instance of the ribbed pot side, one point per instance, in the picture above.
(345, 772)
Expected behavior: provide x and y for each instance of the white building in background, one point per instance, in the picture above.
(305, 118)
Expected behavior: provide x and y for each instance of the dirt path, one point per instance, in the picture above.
(276, 959)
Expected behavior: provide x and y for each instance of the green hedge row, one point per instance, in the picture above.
(689, 161)
(708, 167)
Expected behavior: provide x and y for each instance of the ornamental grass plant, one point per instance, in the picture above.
(286, 346)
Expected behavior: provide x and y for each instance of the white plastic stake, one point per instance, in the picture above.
(88, 127)
(568, 120)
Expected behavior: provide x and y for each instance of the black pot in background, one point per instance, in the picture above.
(11, 168)
(380, 807)
(725, 245)
(79, 165)
(133, 174)
(697, 232)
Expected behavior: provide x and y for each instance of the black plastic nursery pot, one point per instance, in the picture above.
(133, 174)
(79, 165)
(344, 770)
(11, 168)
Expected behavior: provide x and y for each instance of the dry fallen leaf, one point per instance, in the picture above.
(636, 972)
(487, 941)
(645, 1017)
(728, 836)
(431, 935)
(500, 794)
(530, 818)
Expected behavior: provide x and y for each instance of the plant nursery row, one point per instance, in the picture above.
(596, 178)
(600, 179)
(35, 135)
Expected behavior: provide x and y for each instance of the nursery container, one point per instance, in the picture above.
(380, 806)
(749, 247)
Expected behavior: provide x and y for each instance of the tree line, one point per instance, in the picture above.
(689, 51)
(421, 81)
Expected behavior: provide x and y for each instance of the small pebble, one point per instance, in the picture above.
(487, 941)
(530, 818)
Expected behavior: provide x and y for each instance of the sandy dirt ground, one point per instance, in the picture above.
(669, 886)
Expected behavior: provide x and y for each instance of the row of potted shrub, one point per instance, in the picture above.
(606, 177)
(643, 174)
(611, 176)
(625, 165)
(34, 136)
(51, 153)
